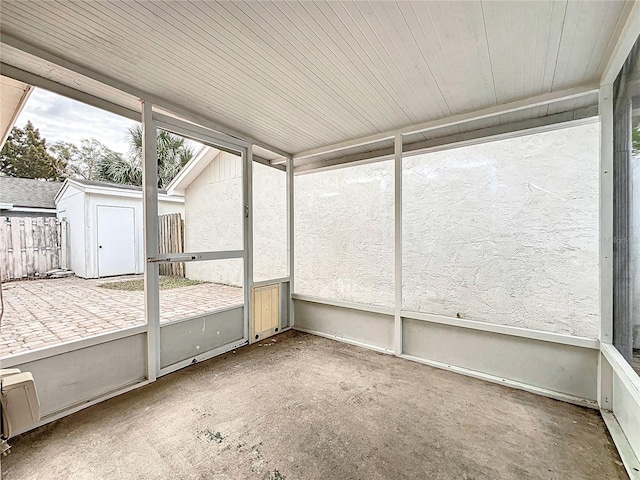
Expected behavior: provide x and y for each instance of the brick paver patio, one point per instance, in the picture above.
(39, 313)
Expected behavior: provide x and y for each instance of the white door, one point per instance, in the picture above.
(116, 241)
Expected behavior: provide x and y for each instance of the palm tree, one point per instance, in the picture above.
(173, 154)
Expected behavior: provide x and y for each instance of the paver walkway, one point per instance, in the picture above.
(39, 313)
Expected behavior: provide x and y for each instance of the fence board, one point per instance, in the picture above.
(29, 247)
(30, 265)
(171, 240)
(15, 247)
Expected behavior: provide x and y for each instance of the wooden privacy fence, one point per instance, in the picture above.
(171, 240)
(31, 246)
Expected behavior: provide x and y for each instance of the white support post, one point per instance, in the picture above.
(150, 220)
(606, 213)
(290, 237)
(248, 239)
(605, 105)
(397, 328)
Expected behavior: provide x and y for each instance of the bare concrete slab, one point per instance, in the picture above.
(305, 407)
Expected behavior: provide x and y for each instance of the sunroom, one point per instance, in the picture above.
(419, 221)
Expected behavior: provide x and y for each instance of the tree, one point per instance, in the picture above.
(25, 155)
(173, 154)
(83, 161)
(126, 171)
(635, 139)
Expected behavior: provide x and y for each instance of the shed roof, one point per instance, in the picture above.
(28, 193)
(117, 186)
(111, 189)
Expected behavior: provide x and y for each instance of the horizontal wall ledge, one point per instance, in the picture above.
(505, 330)
(269, 282)
(339, 303)
(66, 347)
(200, 315)
(622, 369)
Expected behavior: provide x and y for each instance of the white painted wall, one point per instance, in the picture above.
(503, 232)
(214, 220)
(344, 234)
(269, 223)
(506, 232)
(71, 205)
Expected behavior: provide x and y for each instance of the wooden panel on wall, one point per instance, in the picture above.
(265, 318)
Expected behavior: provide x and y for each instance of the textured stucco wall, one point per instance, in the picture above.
(506, 232)
(269, 223)
(344, 234)
(214, 221)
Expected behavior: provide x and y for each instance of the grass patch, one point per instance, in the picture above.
(166, 283)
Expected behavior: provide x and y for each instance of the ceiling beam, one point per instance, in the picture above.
(518, 105)
(6, 129)
(163, 103)
(624, 43)
(474, 137)
(72, 93)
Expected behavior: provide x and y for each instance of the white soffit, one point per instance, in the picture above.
(308, 74)
(61, 76)
(13, 96)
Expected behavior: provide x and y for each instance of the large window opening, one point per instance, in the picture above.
(344, 225)
(626, 206)
(71, 241)
(506, 232)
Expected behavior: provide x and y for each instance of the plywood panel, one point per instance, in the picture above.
(78, 376)
(373, 329)
(560, 368)
(265, 318)
(190, 338)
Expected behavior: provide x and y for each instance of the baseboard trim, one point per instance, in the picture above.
(344, 340)
(57, 415)
(629, 459)
(582, 402)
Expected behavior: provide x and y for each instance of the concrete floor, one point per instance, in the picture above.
(305, 407)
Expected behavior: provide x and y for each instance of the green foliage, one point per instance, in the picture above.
(635, 138)
(166, 283)
(117, 169)
(173, 153)
(84, 161)
(25, 155)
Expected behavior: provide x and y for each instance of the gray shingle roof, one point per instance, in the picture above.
(25, 192)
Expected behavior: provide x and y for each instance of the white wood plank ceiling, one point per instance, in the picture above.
(301, 75)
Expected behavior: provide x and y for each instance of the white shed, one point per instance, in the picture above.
(105, 226)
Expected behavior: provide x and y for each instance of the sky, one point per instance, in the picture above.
(61, 119)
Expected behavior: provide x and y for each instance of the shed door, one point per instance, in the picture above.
(116, 241)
